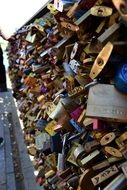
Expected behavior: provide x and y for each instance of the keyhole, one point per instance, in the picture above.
(73, 51)
(100, 12)
(123, 9)
(100, 62)
(113, 151)
(107, 139)
(68, 26)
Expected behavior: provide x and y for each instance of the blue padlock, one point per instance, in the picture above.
(121, 78)
(41, 124)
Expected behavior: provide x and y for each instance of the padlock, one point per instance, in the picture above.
(85, 182)
(104, 175)
(113, 151)
(101, 11)
(50, 128)
(74, 64)
(76, 92)
(101, 60)
(70, 83)
(108, 138)
(70, 156)
(70, 26)
(121, 6)
(76, 113)
(120, 79)
(99, 107)
(76, 126)
(92, 145)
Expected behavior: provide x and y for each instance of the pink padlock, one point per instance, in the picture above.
(97, 125)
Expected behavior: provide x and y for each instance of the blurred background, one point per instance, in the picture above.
(14, 14)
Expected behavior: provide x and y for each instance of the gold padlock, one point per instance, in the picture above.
(101, 60)
(101, 11)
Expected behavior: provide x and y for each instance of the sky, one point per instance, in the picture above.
(14, 13)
